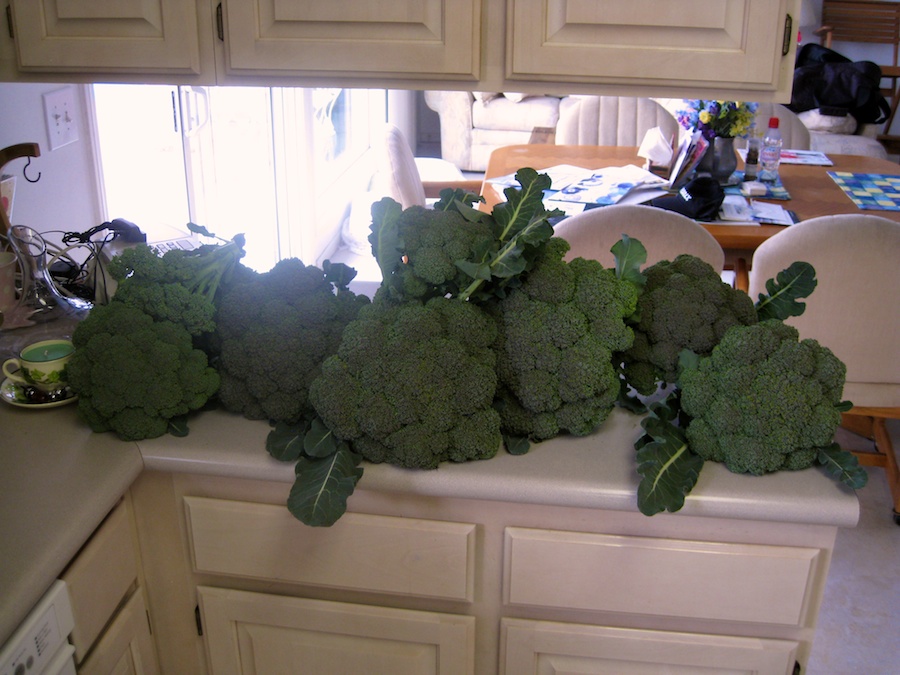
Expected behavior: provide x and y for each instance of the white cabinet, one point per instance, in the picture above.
(696, 48)
(465, 585)
(112, 630)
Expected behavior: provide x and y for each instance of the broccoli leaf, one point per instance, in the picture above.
(843, 466)
(797, 281)
(178, 426)
(338, 274)
(457, 199)
(630, 256)
(516, 445)
(385, 237)
(668, 467)
(319, 441)
(285, 441)
(318, 497)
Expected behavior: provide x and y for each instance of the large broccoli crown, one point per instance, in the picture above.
(274, 330)
(684, 305)
(763, 400)
(413, 384)
(558, 331)
(133, 374)
(432, 242)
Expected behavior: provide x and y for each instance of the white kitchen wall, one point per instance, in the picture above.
(65, 197)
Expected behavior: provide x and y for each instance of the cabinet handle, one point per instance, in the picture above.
(9, 21)
(788, 34)
(220, 26)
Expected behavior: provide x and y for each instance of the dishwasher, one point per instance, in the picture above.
(40, 645)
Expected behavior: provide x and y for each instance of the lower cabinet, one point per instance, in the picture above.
(112, 629)
(410, 584)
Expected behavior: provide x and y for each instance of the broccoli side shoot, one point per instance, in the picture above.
(413, 384)
(133, 374)
(763, 400)
(273, 332)
(558, 332)
(684, 305)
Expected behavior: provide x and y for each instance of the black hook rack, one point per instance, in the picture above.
(25, 173)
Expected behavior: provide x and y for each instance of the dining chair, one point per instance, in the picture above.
(854, 311)
(665, 234)
(611, 120)
(401, 172)
(794, 134)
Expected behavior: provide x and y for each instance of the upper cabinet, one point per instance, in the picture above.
(102, 36)
(740, 45)
(699, 48)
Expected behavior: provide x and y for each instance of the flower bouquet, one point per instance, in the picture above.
(725, 119)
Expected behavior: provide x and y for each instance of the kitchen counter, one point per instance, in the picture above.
(58, 481)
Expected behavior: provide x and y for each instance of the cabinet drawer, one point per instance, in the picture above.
(660, 577)
(126, 646)
(550, 647)
(405, 556)
(101, 576)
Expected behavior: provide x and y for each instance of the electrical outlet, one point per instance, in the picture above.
(61, 114)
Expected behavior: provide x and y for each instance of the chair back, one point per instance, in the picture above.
(665, 234)
(855, 308)
(398, 169)
(794, 134)
(611, 120)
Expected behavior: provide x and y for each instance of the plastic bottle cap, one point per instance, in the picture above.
(773, 122)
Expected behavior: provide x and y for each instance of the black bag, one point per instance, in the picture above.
(830, 81)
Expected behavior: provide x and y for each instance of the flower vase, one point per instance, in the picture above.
(719, 160)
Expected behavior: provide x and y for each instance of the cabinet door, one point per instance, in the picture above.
(249, 633)
(647, 42)
(152, 36)
(126, 647)
(385, 38)
(550, 647)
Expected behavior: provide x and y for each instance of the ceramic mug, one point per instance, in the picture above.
(41, 365)
(7, 280)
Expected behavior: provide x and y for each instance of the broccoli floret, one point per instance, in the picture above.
(133, 374)
(684, 305)
(558, 332)
(180, 285)
(273, 332)
(430, 243)
(763, 400)
(413, 384)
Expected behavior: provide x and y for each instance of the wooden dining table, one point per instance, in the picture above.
(813, 193)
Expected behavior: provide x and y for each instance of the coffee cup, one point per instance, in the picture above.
(41, 365)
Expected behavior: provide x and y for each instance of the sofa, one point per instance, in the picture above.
(473, 124)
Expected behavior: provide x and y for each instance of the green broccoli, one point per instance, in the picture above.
(429, 242)
(684, 304)
(763, 400)
(558, 332)
(180, 285)
(413, 384)
(133, 374)
(273, 332)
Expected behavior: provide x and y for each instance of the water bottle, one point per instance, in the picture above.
(770, 154)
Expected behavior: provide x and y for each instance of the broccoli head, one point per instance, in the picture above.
(413, 384)
(133, 374)
(273, 330)
(558, 332)
(430, 242)
(684, 305)
(763, 400)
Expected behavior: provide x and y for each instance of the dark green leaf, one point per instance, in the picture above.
(789, 285)
(385, 235)
(844, 406)
(630, 256)
(285, 441)
(338, 274)
(843, 466)
(475, 270)
(668, 468)
(178, 426)
(319, 495)
(457, 199)
(200, 229)
(516, 445)
(687, 360)
(319, 441)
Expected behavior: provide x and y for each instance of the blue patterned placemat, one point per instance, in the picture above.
(870, 191)
(774, 190)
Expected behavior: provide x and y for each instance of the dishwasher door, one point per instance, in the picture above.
(40, 645)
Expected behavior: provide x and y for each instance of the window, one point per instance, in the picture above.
(277, 164)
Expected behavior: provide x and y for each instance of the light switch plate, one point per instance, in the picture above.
(61, 114)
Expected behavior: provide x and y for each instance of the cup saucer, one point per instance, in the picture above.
(15, 394)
